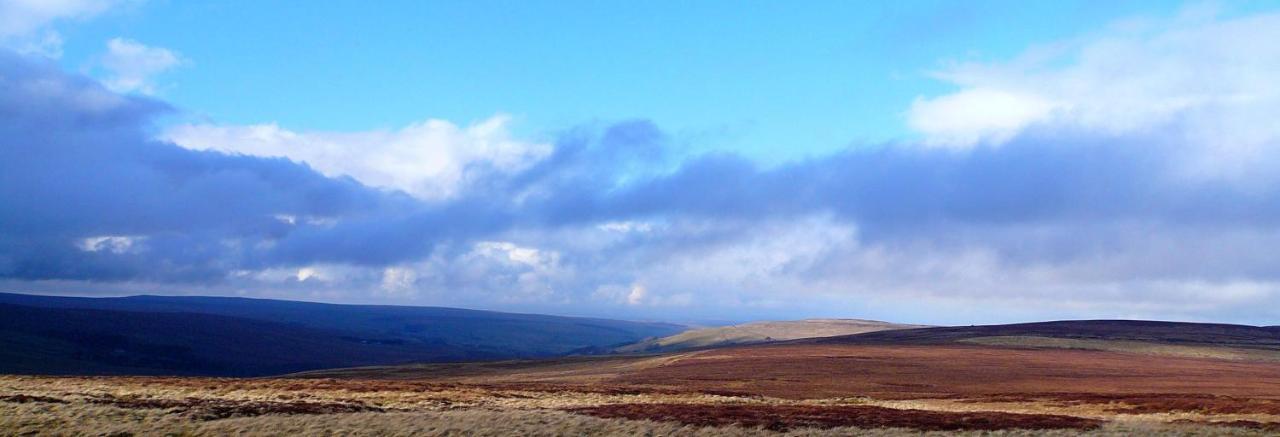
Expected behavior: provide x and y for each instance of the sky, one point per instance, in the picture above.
(925, 162)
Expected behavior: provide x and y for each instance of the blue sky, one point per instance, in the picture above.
(775, 80)
(926, 162)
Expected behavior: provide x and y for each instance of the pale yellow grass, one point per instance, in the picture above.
(757, 332)
(82, 419)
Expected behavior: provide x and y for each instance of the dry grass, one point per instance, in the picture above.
(219, 406)
(758, 332)
(86, 419)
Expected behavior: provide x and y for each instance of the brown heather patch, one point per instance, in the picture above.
(22, 399)
(1195, 404)
(787, 417)
(918, 372)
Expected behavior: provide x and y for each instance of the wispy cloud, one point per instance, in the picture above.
(1213, 78)
(26, 25)
(132, 66)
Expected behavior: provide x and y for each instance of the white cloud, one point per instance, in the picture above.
(25, 24)
(637, 295)
(306, 273)
(975, 115)
(1213, 77)
(132, 66)
(510, 252)
(627, 226)
(398, 280)
(117, 244)
(429, 160)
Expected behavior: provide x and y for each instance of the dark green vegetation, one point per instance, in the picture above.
(155, 335)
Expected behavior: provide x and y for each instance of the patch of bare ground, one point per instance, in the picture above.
(787, 417)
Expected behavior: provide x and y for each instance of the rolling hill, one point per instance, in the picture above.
(759, 332)
(1204, 340)
(249, 337)
(911, 363)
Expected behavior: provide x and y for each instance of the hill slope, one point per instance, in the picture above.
(1205, 340)
(934, 363)
(759, 332)
(227, 336)
(78, 341)
(1132, 330)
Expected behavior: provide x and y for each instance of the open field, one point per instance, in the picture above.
(790, 389)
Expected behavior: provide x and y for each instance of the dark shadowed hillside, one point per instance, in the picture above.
(234, 336)
(78, 341)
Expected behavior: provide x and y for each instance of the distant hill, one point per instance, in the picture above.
(892, 361)
(246, 337)
(759, 332)
(1205, 340)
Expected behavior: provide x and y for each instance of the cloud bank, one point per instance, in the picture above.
(1126, 175)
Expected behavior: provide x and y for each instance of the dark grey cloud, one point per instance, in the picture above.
(87, 195)
(1040, 177)
(78, 163)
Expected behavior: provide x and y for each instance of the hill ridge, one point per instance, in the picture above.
(383, 334)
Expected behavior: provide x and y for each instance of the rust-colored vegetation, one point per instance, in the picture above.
(915, 372)
(787, 417)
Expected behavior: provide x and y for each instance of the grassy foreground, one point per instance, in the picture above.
(121, 406)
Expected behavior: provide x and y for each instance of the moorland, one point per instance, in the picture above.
(1055, 378)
